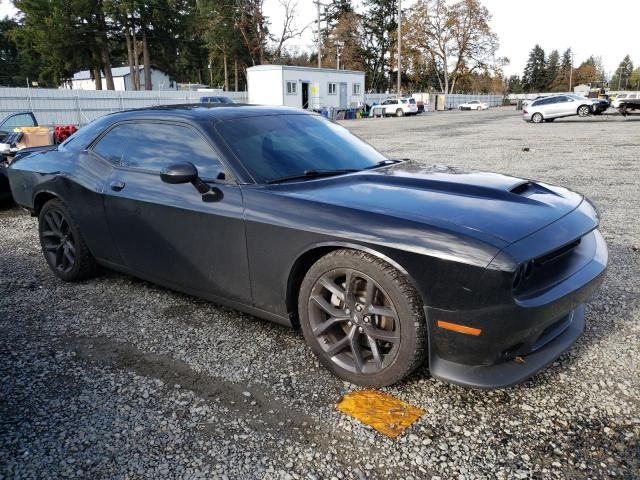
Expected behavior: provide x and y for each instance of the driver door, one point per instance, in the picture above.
(167, 233)
(16, 121)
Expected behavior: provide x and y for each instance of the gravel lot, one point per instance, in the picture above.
(117, 378)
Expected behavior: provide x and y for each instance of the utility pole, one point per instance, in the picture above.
(571, 72)
(319, 38)
(339, 46)
(399, 44)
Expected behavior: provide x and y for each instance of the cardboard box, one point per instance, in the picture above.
(34, 137)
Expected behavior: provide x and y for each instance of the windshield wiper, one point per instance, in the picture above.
(384, 163)
(313, 174)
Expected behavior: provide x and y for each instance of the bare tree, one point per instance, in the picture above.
(456, 38)
(289, 29)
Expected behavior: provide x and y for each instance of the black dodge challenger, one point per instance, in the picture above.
(383, 263)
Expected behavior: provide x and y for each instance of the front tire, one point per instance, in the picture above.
(399, 113)
(537, 118)
(362, 318)
(583, 111)
(62, 243)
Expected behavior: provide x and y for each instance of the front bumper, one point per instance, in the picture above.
(518, 337)
(511, 372)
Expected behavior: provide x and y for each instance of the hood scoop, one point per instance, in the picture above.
(529, 188)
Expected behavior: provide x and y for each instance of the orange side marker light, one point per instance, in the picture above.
(459, 328)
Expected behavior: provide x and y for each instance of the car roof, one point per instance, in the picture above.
(209, 111)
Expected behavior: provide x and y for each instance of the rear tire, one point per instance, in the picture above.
(583, 111)
(362, 318)
(537, 118)
(62, 243)
(399, 113)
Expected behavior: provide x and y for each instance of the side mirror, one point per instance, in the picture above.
(183, 172)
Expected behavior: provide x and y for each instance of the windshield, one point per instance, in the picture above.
(278, 146)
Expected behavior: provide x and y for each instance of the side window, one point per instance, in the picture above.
(154, 146)
(111, 146)
(631, 96)
(356, 89)
(22, 120)
(332, 88)
(292, 88)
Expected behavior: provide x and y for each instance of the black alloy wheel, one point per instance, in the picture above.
(62, 244)
(354, 321)
(58, 243)
(362, 318)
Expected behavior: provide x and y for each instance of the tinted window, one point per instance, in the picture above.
(153, 146)
(22, 120)
(632, 95)
(285, 145)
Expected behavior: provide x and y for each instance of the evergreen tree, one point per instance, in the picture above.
(621, 77)
(379, 25)
(333, 12)
(535, 72)
(514, 84)
(553, 68)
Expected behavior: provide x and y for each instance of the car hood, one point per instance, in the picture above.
(480, 204)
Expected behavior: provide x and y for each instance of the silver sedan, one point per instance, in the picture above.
(547, 109)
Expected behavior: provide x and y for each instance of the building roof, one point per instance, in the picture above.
(115, 72)
(307, 69)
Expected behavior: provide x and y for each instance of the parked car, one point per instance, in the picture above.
(216, 99)
(627, 101)
(473, 105)
(556, 106)
(285, 215)
(400, 106)
(7, 125)
(599, 105)
(16, 120)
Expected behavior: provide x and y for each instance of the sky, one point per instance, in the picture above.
(589, 27)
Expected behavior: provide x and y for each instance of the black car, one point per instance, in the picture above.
(599, 105)
(283, 214)
(7, 125)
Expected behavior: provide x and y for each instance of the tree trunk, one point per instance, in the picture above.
(226, 71)
(106, 66)
(103, 45)
(147, 60)
(132, 70)
(97, 77)
(235, 72)
(136, 61)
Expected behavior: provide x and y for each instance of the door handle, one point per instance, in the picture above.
(117, 185)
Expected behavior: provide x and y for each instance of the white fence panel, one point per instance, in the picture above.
(79, 107)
